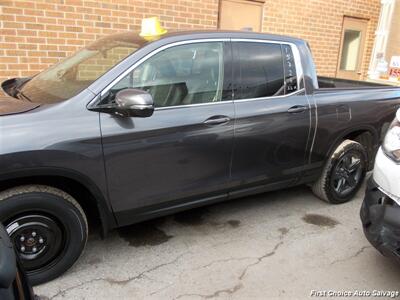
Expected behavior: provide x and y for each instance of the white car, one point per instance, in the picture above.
(380, 212)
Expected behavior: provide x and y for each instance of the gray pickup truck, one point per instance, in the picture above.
(127, 130)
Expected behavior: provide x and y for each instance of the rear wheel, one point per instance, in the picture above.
(343, 173)
(47, 227)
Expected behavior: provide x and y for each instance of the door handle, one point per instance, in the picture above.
(297, 109)
(215, 120)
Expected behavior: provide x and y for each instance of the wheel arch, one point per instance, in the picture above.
(85, 192)
(365, 135)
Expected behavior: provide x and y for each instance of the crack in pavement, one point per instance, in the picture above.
(235, 288)
(239, 285)
(119, 282)
(222, 261)
(350, 257)
(284, 231)
(160, 290)
(260, 259)
(228, 291)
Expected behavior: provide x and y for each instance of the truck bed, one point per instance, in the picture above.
(338, 83)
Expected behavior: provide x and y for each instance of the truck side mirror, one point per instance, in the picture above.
(134, 103)
(128, 103)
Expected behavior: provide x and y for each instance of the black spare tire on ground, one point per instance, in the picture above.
(47, 226)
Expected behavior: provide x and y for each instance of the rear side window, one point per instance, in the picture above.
(265, 70)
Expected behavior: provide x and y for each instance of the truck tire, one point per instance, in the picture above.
(48, 228)
(343, 173)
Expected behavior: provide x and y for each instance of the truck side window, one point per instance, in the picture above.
(265, 70)
(180, 75)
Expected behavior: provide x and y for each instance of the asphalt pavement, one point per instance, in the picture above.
(283, 244)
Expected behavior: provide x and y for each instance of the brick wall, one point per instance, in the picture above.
(320, 23)
(36, 34)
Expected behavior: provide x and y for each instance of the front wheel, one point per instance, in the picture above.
(47, 227)
(343, 173)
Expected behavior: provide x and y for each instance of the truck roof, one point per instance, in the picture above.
(233, 34)
(204, 34)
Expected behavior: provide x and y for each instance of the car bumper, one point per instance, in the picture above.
(380, 217)
(387, 174)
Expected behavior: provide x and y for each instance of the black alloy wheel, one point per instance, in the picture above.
(343, 173)
(347, 174)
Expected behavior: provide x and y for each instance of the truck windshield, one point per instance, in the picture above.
(75, 73)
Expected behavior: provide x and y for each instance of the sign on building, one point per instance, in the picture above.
(394, 71)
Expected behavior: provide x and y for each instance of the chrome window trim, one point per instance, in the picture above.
(295, 50)
(192, 105)
(271, 97)
(229, 101)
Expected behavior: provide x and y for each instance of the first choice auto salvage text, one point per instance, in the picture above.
(355, 293)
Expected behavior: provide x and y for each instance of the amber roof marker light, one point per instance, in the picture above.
(152, 29)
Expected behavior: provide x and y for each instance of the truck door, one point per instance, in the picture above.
(184, 149)
(272, 124)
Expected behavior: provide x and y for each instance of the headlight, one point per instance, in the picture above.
(391, 144)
